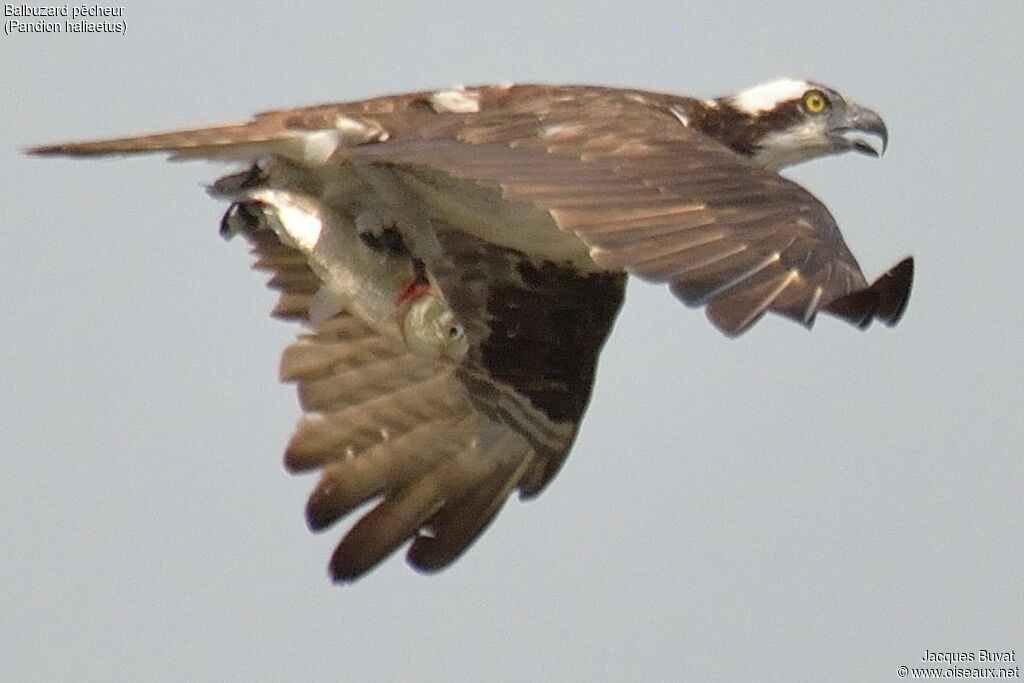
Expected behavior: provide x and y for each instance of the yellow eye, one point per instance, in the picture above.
(815, 101)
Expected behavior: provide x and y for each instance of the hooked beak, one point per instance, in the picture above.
(854, 121)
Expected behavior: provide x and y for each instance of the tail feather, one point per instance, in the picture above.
(459, 523)
(386, 466)
(402, 513)
(382, 530)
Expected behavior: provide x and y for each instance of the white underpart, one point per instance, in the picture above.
(393, 202)
(794, 145)
(766, 96)
(455, 101)
(316, 148)
(484, 213)
(299, 220)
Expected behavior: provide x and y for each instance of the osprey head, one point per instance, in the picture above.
(785, 122)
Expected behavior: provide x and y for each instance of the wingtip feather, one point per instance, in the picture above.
(886, 299)
(894, 288)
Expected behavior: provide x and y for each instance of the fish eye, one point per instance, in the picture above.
(455, 331)
(815, 101)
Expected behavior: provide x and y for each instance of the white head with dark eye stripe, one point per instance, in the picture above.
(790, 121)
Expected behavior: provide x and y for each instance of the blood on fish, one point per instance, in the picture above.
(412, 291)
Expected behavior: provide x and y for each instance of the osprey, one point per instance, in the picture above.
(460, 256)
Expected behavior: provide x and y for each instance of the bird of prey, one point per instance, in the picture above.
(459, 257)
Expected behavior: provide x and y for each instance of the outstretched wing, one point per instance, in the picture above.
(618, 170)
(439, 447)
(650, 196)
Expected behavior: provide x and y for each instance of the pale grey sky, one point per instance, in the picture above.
(787, 506)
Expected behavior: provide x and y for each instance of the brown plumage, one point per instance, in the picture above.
(524, 207)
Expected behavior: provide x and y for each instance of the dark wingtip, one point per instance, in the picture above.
(341, 571)
(894, 291)
(321, 511)
(886, 299)
(361, 549)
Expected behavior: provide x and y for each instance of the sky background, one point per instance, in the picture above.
(786, 506)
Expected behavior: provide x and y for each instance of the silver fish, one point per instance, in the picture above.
(386, 288)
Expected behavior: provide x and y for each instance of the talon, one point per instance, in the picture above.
(379, 233)
(388, 240)
(241, 216)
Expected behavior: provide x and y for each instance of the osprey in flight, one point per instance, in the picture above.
(459, 257)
